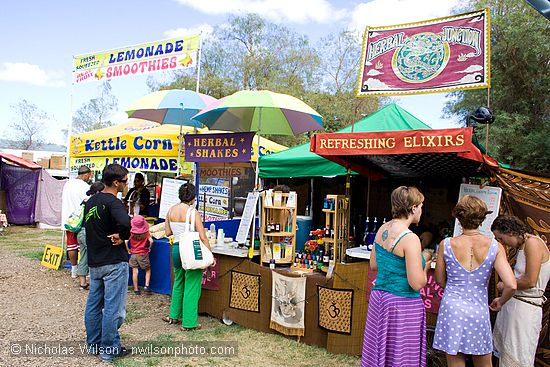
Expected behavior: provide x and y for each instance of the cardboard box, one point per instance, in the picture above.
(28, 156)
(44, 163)
(57, 162)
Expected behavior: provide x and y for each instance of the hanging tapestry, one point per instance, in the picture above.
(245, 291)
(432, 56)
(335, 309)
(288, 304)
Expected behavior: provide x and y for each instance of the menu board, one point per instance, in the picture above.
(491, 196)
(169, 195)
(247, 217)
(213, 202)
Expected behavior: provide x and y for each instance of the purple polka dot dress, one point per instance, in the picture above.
(463, 323)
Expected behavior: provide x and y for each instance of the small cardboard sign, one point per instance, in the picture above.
(52, 257)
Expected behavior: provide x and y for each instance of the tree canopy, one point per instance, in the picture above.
(28, 125)
(251, 53)
(520, 85)
(96, 112)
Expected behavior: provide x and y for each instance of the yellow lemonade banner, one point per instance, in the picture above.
(165, 55)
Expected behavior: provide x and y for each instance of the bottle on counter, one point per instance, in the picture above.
(365, 240)
(326, 255)
(372, 235)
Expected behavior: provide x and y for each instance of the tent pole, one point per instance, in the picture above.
(199, 62)
(257, 175)
(487, 125)
(179, 151)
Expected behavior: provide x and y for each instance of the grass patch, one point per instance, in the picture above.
(134, 312)
(35, 255)
(218, 332)
(142, 362)
(29, 241)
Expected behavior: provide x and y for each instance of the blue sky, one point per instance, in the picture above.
(39, 39)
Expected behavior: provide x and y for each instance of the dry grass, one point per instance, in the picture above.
(254, 348)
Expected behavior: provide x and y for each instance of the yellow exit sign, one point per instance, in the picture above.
(52, 257)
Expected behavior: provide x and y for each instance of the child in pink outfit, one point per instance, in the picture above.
(140, 243)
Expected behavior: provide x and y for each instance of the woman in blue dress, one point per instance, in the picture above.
(464, 266)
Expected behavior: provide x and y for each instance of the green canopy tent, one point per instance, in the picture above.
(298, 161)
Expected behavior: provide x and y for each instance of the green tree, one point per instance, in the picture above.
(95, 113)
(28, 125)
(250, 53)
(520, 82)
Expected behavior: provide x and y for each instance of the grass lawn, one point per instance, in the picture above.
(29, 241)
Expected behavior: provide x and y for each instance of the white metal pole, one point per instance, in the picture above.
(179, 148)
(199, 62)
(196, 165)
(256, 188)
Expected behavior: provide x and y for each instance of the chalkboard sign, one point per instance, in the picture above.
(491, 196)
(248, 216)
(169, 195)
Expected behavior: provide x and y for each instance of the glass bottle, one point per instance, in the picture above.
(372, 234)
(365, 239)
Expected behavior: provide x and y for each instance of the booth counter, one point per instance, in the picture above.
(215, 297)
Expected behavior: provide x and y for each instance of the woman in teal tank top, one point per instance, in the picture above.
(395, 332)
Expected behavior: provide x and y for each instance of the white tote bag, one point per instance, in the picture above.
(193, 253)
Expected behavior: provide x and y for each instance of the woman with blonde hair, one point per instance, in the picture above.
(395, 332)
(519, 322)
(464, 267)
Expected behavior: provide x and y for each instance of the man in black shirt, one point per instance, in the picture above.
(107, 226)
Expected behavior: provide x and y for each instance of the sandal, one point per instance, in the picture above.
(84, 287)
(170, 321)
(198, 327)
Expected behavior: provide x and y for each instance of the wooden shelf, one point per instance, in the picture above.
(280, 261)
(285, 217)
(279, 234)
(338, 220)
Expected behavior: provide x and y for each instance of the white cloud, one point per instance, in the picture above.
(377, 84)
(470, 78)
(301, 11)
(471, 69)
(390, 12)
(374, 72)
(205, 28)
(31, 74)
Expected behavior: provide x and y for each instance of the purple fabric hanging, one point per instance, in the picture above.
(50, 191)
(20, 185)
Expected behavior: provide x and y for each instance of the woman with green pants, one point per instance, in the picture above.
(187, 283)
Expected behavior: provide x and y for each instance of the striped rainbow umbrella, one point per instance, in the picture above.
(171, 106)
(263, 111)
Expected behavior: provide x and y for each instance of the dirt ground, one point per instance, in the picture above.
(40, 305)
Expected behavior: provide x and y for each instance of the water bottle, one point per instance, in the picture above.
(365, 239)
(372, 235)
